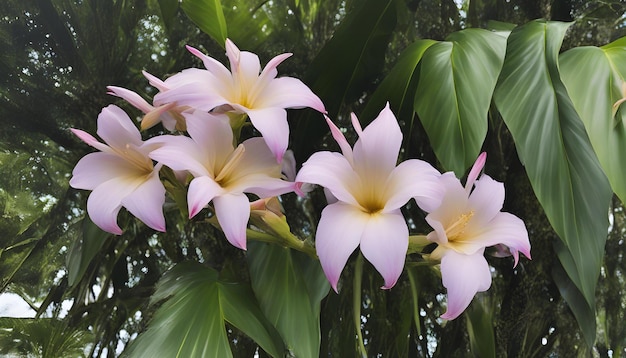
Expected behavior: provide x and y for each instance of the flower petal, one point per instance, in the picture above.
(333, 172)
(479, 164)
(131, 97)
(233, 212)
(105, 202)
(181, 153)
(287, 92)
(346, 150)
(117, 129)
(90, 140)
(486, 200)
(376, 151)
(463, 276)
(454, 203)
(505, 229)
(272, 123)
(201, 191)
(417, 179)
(146, 202)
(155, 81)
(214, 66)
(338, 234)
(97, 168)
(384, 243)
(212, 133)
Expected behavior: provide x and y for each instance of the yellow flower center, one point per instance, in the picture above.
(225, 174)
(456, 231)
(139, 160)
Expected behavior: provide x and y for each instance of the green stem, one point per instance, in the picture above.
(299, 245)
(356, 303)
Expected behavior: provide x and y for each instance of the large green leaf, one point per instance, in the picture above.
(593, 80)
(209, 17)
(399, 86)
(552, 143)
(84, 249)
(345, 67)
(191, 322)
(289, 286)
(457, 79)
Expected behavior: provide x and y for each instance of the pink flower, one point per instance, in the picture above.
(370, 190)
(466, 222)
(120, 175)
(169, 114)
(222, 173)
(263, 97)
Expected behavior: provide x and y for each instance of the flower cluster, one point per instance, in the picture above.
(204, 109)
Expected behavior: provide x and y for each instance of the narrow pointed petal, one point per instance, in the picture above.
(288, 92)
(356, 124)
(463, 276)
(211, 64)
(384, 243)
(414, 179)
(105, 202)
(201, 191)
(232, 52)
(376, 151)
(90, 140)
(335, 241)
(269, 71)
(272, 123)
(154, 116)
(346, 150)
(117, 129)
(475, 171)
(210, 131)
(233, 213)
(486, 200)
(333, 172)
(131, 97)
(146, 202)
(97, 168)
(155, 81)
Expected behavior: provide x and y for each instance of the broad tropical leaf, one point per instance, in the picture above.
(191, 322)
(457, 79)
(289, 286)
(84, 249)
(209, 17)
(552, 143)
(593, 78)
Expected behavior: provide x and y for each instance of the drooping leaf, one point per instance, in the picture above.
(399, 85)
(457, 79)
(168, 10)
(289, 286)
(345, 66)
(480, 329)
(593, 78)
(84, 249)
(209, 17)
(190, 323)
(552, 144)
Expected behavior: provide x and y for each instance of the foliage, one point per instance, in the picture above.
(536, 95)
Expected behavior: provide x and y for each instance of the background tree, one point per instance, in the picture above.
(58, 56)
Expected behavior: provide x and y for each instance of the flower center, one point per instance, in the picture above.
(455, 231)
(138, 159)
(226, 173)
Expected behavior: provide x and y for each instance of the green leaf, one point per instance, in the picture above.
(191, 322)
(84, 249)
(168, 8)
(399, 85)
(457, 79)
(345, 66)
(593, 80)
(552, 143)
(289, 286)
(208, 16)
(480, 329)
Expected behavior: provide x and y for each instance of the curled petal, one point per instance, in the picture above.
(287, 92)
(346, 150)
(201, 191)
(233, 212)
(384, 243)
(335, 241)
(155, 82)
(131, 97)
(463, 276)
(269, 71)
(505, 229)
(486, 200)
(214, 66)
(180, 153)
(105, 202)
(146, 202)
(90, 140)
